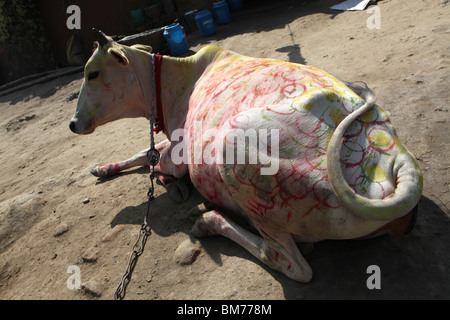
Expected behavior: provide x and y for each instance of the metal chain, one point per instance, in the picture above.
(153, 157)
(144, 231)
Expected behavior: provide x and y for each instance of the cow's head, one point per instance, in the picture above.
(111, 89)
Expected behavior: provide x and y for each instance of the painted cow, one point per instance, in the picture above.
(303, 156)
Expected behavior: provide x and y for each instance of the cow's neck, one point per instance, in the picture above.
(143, 66)
(178, 78)
(176, 82)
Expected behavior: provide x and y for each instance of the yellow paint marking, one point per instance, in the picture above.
(376, 173)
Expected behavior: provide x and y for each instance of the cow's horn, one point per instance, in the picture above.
(100, 37)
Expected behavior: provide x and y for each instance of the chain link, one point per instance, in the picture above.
(138, 249)
(139, 245)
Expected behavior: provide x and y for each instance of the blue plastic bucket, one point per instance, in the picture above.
(205, 23)
(235, 5)
(221, 12)
(176, 38)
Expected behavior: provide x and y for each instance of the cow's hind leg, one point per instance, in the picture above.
(280, 254)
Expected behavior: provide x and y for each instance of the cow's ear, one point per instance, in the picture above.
(118, 56)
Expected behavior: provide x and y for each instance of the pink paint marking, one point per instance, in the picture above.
(289, 216)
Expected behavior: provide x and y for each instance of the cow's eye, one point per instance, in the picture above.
(93, 75)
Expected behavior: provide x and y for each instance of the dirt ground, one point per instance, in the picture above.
(54, 214)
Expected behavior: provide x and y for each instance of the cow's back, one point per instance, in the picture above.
(233, 83)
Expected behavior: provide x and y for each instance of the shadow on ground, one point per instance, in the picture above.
(413, 267)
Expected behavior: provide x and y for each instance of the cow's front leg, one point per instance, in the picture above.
(139, 159)
(173, 176)
(167, 173)
(279, 253)
(178, 189)
(111, 169)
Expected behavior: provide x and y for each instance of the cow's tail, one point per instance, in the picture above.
(406, 170)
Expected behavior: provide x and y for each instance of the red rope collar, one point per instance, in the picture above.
(159, 113)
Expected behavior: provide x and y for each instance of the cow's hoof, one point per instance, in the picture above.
(97, 172)
(178, 191)
(200, 228)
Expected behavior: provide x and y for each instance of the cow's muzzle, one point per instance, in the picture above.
(72, 126)
(75, 127)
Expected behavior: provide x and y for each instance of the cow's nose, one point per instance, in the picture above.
(72, 126)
